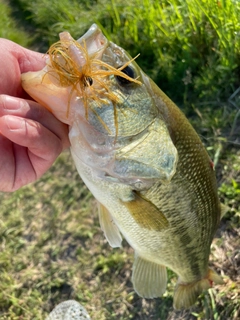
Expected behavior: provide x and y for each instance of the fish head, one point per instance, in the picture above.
(115, 124)
(58, 86)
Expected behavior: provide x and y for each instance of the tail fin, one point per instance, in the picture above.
(185, 295)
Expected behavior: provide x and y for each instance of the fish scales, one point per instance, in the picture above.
(191, 181)
(141, 159)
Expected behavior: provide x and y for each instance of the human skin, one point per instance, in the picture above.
(31, 138)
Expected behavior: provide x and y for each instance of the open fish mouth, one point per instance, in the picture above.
(59, 83)
(74, 74)
(70, 60)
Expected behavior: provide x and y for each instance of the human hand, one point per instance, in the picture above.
(31, 138)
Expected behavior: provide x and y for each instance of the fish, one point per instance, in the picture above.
(140, 157)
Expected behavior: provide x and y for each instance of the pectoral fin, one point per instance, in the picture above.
(109, 228)
(149, 278)
(146, 214)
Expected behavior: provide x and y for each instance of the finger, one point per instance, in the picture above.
(28, 60)
(41, 146)
(14, 61)
(7, 164)
(32, 110)
(15, 168)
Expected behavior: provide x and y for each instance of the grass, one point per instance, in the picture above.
(9, 29)
(52, 248)
(187, 40)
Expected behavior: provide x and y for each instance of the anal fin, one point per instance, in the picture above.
(109, 228)
(149, 278)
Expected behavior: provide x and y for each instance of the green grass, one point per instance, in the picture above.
(9, 28)
(186, 40)
(191, 49)
(52, 248)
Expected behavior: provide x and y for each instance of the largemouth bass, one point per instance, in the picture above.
(141, 159)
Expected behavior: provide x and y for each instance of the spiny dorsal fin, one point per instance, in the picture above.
(146, 214)
(149, 278)
(109, 227)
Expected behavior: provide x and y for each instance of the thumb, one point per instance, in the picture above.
(30, 60)
(14, 60)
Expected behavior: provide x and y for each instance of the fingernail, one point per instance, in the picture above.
(14, 123)
(11, 103)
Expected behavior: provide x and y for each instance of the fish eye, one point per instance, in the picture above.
(129, 72)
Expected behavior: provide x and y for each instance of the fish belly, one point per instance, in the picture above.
(162, 248)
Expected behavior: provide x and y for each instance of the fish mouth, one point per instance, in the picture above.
(54, 86)
(94, 39)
